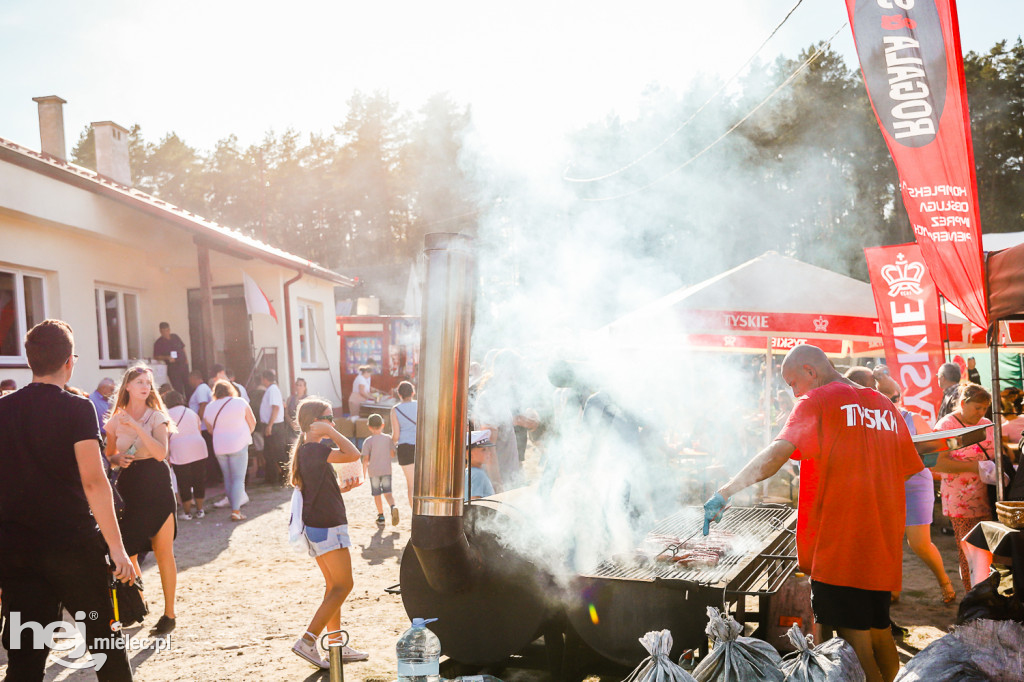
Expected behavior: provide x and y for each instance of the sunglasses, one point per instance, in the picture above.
(896, 398)
(326, 418)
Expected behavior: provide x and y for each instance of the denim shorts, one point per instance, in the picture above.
(380, 485)
(320, 541)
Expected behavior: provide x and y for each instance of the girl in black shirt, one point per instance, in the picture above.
(323, 516)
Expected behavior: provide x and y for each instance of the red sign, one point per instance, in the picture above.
(909, 53)
(784, 324)
(908, 313)
(780, 344)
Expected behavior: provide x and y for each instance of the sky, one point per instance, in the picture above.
(531, 70)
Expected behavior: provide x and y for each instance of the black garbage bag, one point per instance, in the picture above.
(992, 599)
(833, 661)
(982, 650)
(734, 658)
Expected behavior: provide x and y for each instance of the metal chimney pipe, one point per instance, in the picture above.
(438, 537)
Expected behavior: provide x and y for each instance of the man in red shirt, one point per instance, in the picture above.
(855, 453)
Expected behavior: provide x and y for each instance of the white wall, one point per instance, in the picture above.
(322, 377)
(76, 240)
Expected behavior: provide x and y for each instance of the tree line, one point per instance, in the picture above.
(806, 174)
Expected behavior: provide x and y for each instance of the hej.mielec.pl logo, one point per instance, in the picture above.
(60, 636)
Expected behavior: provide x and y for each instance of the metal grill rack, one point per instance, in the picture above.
(762, 551)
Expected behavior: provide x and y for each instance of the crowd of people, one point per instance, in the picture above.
(131, 460)
(136, 459)
(90, 483)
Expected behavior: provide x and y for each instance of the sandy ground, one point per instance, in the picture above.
(244, 595)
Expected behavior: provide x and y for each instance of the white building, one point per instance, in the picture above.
(114, 262)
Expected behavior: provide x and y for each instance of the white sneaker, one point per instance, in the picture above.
(350, 655)
(184, 516)
(309, 652)
(245, 500)
(221, 503)
(200, 514)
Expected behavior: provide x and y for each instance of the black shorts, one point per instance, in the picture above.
(406, 454)
(849, 607)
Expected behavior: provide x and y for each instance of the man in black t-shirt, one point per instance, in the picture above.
(973, 375)
(53, 493)
(171, 350)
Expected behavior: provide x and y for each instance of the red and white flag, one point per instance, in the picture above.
(909, 54)
(255, 300)
(908, 316)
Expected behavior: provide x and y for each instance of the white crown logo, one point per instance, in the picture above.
(730, 340)
(820, 325)
(903, 278)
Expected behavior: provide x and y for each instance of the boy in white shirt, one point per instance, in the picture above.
(377, 465)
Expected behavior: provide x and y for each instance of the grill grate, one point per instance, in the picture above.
(755, 530)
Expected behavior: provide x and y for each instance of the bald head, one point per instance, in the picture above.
(807, 367)
(805, 354)
(861, 375)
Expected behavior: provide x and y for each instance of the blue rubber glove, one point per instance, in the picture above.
(713, 509)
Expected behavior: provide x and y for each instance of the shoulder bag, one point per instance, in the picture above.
(217, 416)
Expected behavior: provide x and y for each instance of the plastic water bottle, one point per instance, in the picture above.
(419, 653)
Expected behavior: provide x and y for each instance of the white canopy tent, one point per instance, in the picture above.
(765, 305)
(769, 297)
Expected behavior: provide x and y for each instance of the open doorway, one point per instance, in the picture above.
(232, 331)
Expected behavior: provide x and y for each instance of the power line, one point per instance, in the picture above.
(694, 115)
(721, 137)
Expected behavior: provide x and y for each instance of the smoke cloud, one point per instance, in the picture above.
(555, 267)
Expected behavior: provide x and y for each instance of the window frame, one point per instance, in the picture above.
(21, 317)
(309, 352)
(103, 343)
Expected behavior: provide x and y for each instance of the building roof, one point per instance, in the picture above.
(216, 236)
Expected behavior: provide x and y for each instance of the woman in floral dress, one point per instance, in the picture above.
(964, 496)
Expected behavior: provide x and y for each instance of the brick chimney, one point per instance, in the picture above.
(112, 152)
(51, 126)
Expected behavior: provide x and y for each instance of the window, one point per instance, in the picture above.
(22, 306)
(308, 351)
(117, 325)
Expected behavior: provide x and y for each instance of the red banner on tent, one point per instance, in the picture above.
(909, 53)
(813, 325)
(747, 344)
(908, 314)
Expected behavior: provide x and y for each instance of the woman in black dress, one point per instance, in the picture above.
(137, 435)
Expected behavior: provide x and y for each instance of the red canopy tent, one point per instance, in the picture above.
(770, 302)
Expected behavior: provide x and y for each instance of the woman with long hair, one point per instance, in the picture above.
(230, 421)
(964, 495)
(403, 431)
(325, 525)
(137, 433)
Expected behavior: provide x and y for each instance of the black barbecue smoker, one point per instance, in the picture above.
(492, 603)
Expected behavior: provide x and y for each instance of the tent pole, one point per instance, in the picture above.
(997, 408)
(997, 402)
(769, 370)
(945, 329)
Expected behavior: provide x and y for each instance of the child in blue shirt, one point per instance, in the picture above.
(481, 451)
